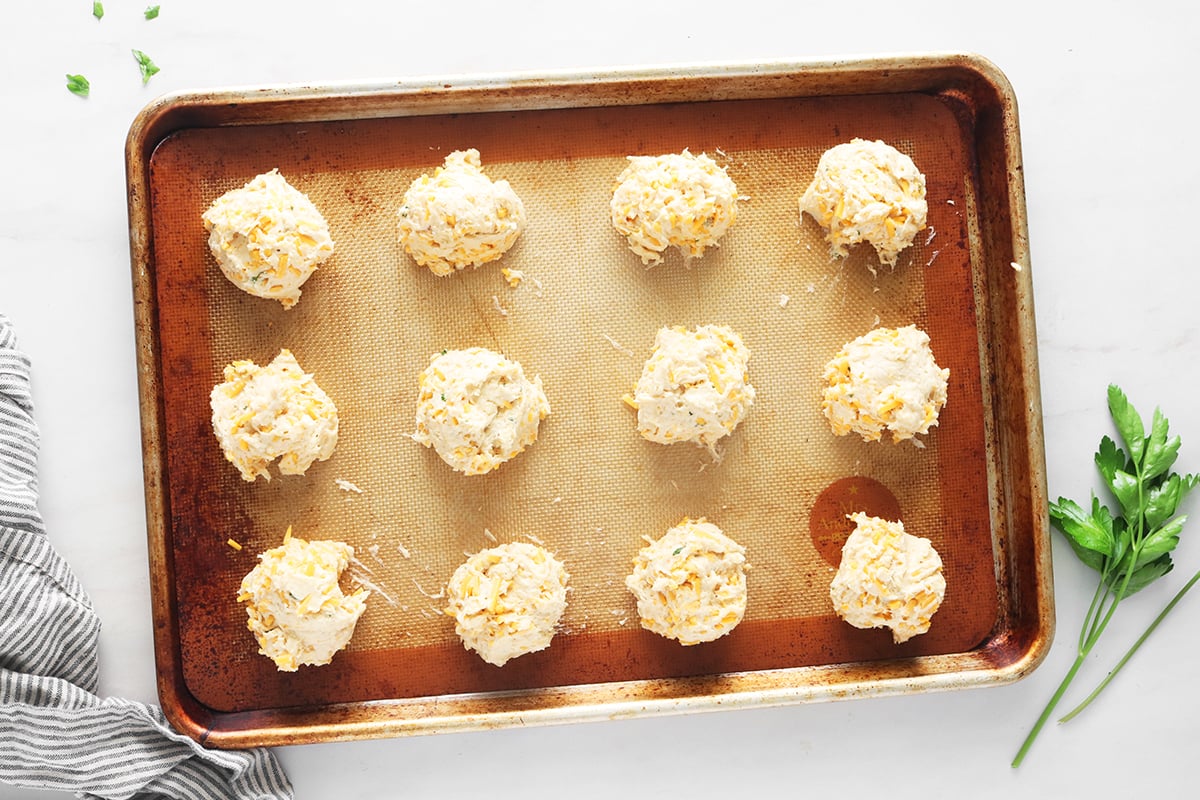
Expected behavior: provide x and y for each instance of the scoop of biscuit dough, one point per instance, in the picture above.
(458, 216)
(267, 237)
(477, 409)
(260, 414)
(677, 200)
(887, 579)
(690, 584)
(694, 386)
(506, 601)
(867, 192)
(886, 379)
(296, 609)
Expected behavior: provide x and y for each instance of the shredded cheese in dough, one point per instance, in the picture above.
(507, 600)
(867, 192)
(678, 200)
(296, 609)
(886, 379)
(268, 237)
(260, 414)
(477, 409)
(694, 386)
(887, 579)
(458, 216)
(690, 584)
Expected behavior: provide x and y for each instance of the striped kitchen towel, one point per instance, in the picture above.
(55, 732)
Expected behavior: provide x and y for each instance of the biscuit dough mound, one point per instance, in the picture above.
(260, 414)
(676, 200)
(507, 600)
(690, 584)
(297, 611)
(477, 409)
(694, 386)
(886, 379)
(458, 216)
(867, 192)
(267, 237)
(887, 579)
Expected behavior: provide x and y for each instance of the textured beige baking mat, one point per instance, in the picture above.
(584, 319)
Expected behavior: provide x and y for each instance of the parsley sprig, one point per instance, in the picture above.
(1130, 549)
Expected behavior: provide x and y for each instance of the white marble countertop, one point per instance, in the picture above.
(1106, 97)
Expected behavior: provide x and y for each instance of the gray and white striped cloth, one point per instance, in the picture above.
(55, 733)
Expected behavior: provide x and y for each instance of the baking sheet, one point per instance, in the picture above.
(584, 319)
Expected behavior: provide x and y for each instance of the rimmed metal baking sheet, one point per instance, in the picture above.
(584, 319)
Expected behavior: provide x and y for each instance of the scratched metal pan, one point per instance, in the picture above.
(584, 319)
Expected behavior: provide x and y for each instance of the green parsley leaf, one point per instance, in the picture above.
(677, 551)
(98, 10)
(77, 84)
(1147, 574)
(1161, 542)
(1128, 422)
(1160, 452)
(1110, 458)
(151, 12)
(147, 67)
(1125, 488)
(1082, 528)
(1163, 500)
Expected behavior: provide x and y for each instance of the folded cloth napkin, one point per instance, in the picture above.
(55, 733)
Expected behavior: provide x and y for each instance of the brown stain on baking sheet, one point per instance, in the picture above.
(828, 524)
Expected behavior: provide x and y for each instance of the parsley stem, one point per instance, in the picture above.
(1128, 655)
(1097, 624)
(1093, 613)
(1117, 596)
(1048, 710)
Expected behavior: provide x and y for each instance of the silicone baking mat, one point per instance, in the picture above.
(583, 319)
